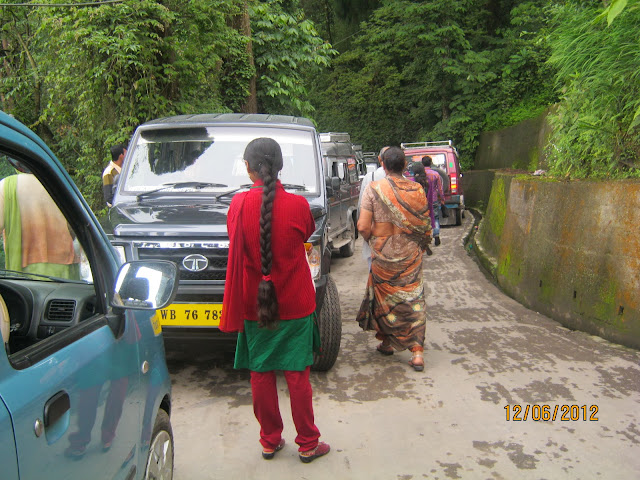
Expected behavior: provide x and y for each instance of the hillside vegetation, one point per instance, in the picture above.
(386, 71)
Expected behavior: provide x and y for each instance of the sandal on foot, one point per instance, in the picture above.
(417, 361)
(269, 453)
(310, 455)
(385, 349)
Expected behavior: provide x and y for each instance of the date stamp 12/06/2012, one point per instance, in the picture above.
(546, 413)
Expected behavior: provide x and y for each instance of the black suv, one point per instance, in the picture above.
(343, 191)
(177, 181)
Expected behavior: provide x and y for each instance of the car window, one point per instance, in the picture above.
(46, 282)
(438, 159)
(351, 170)
(210, 159)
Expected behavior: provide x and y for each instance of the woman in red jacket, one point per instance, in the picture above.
(269, 298)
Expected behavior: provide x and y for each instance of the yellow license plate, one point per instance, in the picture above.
(190, 315)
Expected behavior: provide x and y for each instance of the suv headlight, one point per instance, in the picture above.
(315, 259)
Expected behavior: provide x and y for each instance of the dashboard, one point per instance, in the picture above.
(40, 308)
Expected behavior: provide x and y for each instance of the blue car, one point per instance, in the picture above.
(84, 387)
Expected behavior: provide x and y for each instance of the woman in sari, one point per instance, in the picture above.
(394, 219)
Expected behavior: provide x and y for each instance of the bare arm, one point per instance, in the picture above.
(365, 223)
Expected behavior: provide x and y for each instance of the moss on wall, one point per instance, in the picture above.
(497, 206)
(495, 214)
(566, 249)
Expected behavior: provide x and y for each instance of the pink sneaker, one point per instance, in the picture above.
(310, 455)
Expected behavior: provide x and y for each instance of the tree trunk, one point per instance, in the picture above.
(446, 111)
(5, 103)
(329, 19)
(251, 105)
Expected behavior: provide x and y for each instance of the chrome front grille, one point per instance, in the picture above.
(215, 270)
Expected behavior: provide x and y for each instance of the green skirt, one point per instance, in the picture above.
(289, 347)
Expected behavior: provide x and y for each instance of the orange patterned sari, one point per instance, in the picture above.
(394, 304)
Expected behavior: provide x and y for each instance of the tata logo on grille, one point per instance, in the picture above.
(195, 262)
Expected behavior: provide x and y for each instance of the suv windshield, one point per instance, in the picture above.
(209, 160)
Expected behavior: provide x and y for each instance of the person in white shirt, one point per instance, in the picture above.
(112, 171)
(377, 174)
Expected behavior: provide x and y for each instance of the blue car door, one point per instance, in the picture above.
(8, 458)
(70, 371)
(76, 413)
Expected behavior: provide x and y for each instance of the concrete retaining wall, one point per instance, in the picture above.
(519, 147)
(570, 250)
(476, 185)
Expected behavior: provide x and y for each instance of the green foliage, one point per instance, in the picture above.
(614, 9)
(525, 80)
(438, 70)
(338, 20)
(595, 127)
(85, 77)
(118, 65)
(413, 70)
(20, 79)
(299, 49)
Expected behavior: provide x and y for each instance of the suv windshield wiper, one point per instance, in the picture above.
(166, 186)
(291, 186)
(241, 187)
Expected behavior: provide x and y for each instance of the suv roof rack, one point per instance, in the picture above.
(335, 137)
(441, 143)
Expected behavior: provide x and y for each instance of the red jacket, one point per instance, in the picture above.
(292, 225)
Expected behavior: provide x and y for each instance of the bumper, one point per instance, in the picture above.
(454, 201)
(212, 336)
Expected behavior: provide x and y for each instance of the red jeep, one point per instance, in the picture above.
(444, 157)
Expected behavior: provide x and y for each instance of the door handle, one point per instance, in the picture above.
(56, 407)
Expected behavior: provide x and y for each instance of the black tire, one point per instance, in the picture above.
(458, 216)
(330, 326)
(160, 458)
(350, 248)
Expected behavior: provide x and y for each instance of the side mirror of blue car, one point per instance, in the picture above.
(145, 285)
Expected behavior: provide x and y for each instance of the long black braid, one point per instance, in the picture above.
(420, 175)
(264, 157)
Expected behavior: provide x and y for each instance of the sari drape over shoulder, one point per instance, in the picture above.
(394, 304)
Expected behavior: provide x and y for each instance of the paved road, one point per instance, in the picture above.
(485, 354)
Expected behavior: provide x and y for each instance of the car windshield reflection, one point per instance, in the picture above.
(208, 160)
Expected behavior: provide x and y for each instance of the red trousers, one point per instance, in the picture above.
(267, 411)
